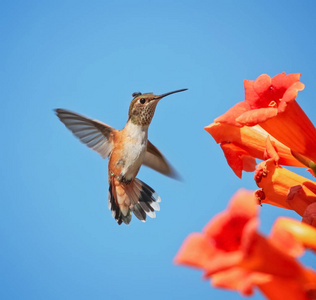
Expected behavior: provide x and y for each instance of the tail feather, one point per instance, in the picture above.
(138, 197)
(139, 212)
(115, 209)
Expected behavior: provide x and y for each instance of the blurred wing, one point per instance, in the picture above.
(155, 160)
(95, 134)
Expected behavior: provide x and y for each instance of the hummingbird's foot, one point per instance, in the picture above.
(123, 179)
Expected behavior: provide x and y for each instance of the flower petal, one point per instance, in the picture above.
(230, 116)
(266, 92)
(256, 116)
(294, 129)
(238, 159)
(309, 216)
(279, 288)
(240, 280)
(302, 233)
(271, 151)
(301, 196)
(195, 251)
(282, 237)
(258, 250)
(227, 227)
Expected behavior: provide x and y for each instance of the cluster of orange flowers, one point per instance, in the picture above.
(271, 126)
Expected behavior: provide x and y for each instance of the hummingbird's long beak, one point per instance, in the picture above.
(167, 94)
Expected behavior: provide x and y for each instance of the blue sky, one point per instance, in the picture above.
(58, 239)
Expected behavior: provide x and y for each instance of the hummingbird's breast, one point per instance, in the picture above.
(130, 146)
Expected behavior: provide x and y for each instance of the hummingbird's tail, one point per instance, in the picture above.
(136, 197)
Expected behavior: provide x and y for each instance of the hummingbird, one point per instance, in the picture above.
(128, 149)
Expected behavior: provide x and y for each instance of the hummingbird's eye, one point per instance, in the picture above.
(142, 100)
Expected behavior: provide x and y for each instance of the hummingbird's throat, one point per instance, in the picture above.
(144, 116)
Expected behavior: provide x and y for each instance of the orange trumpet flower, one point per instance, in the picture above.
(283, 188)
(218, 244)
(241, 146)
(234, 255)
(270, 102)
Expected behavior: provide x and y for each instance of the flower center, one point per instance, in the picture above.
(273, 104)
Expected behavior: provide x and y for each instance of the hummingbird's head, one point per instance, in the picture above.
(142, 107)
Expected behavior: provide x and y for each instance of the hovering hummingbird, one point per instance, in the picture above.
(127, 149)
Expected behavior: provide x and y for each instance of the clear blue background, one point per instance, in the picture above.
(58, 239)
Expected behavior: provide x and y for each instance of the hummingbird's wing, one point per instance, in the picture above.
(95, 134)
(155, 160)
